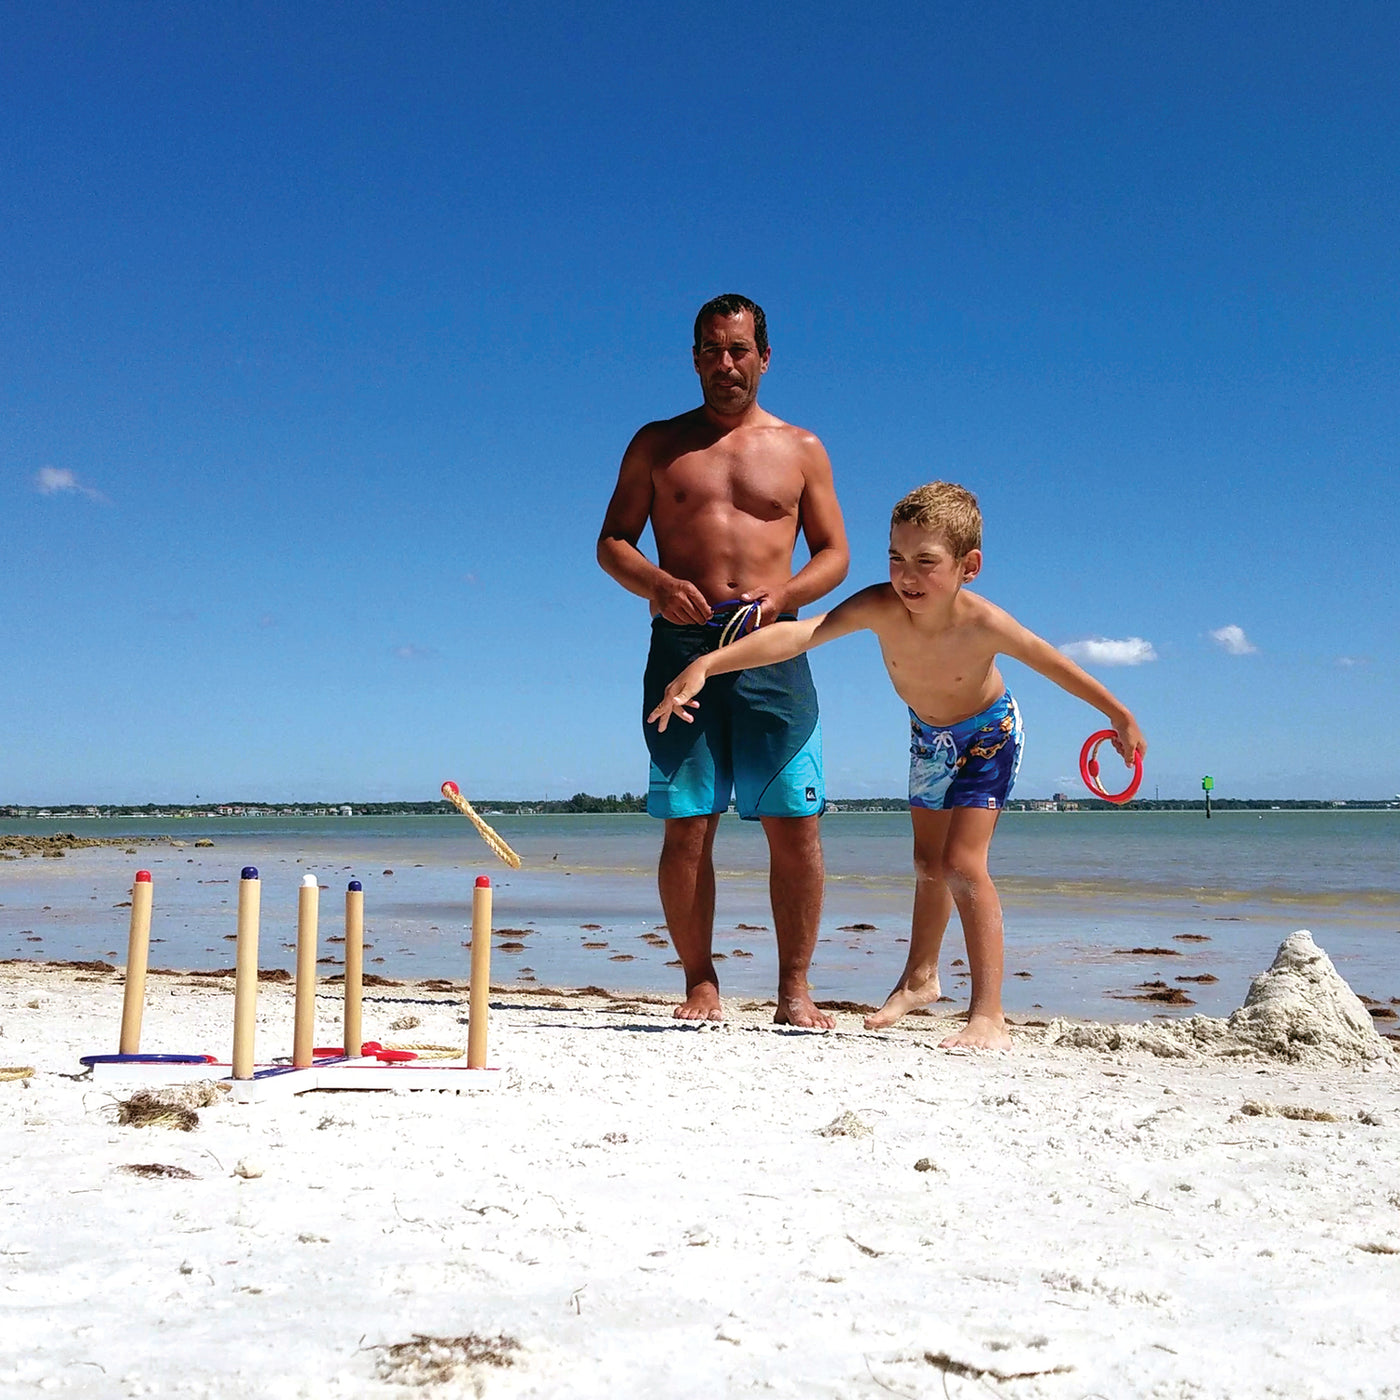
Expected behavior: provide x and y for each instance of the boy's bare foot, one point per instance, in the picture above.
(980, 1033)
(701, 1003)
(902, 1001)
(801, 1010)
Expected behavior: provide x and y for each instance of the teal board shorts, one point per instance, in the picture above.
(756, 734)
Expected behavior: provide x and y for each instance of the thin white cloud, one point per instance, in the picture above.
(411, 651)
(60, 481)
(1349, 661)
(1233, 640)
(1104, 651)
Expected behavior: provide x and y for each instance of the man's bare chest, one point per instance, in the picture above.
(764, 485)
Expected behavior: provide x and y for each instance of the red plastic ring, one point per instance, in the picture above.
(1089, 768)
(395, 1057)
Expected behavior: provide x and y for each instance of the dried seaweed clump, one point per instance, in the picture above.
(158, 1169)
(1257, 1108)
(443, 1360)
(167, 1108)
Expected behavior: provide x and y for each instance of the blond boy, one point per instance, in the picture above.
(940, 644)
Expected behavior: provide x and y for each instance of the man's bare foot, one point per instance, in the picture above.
(902, 1001)
(980, 1033)
(801, 1010)
(701, 1003)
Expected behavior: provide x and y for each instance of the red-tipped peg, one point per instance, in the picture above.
(143, 877)
(483, 882)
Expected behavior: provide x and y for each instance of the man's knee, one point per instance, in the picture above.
(687, 838)
(794, 839)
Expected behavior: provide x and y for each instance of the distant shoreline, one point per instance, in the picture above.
(584, 804)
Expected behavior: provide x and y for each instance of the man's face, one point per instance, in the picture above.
(728, 363)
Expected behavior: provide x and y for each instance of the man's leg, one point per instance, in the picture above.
(918, 984)
(979, 908)
(686, 879)
(796, 876)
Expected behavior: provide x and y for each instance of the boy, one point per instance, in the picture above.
(940, 645)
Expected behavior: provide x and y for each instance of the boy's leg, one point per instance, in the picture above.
(979, 908)
(918, 983)
(796, 875)
(686, 879)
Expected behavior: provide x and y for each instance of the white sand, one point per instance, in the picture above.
(655, 1210)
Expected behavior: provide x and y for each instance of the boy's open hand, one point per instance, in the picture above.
(679, 700)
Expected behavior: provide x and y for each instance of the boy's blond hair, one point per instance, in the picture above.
(946, 508)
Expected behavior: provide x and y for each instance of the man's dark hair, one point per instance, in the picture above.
(731, 304)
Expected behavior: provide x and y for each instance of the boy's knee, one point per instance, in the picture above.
(966, 875)
(928, 865)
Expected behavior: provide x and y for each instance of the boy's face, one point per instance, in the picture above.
(924, 571)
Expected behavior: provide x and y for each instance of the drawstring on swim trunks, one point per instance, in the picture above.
(941, 741)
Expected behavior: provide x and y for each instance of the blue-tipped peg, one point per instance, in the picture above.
(250, 872)
(354, 885)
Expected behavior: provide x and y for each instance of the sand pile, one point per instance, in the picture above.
(1300, 1011)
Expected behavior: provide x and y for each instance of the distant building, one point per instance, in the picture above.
(346, 810)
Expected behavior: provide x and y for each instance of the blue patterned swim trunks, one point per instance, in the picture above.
(969, 764)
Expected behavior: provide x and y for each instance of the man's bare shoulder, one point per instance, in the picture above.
(801, 439)
(668, 434)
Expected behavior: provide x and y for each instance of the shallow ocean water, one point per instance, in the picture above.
(1080, 891)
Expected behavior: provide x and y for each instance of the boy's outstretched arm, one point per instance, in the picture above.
(779, 641)
(1023, 644)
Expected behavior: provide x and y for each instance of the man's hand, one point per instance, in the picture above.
(771, 605)
(679, 601)
(679, 698)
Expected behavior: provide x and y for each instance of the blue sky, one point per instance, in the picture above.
(322, 330)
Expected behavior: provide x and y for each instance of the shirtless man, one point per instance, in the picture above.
(726, 488)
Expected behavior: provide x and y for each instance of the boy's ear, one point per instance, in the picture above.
(971, 565)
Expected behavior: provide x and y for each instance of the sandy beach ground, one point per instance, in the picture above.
(643, 1208)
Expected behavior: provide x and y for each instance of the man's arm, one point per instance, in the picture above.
(779, 642)
(825, 532)
(677, 600)
(1020, 642)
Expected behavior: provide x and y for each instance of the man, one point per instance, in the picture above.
(726, 488)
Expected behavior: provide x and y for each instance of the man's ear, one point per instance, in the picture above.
(971, 565)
